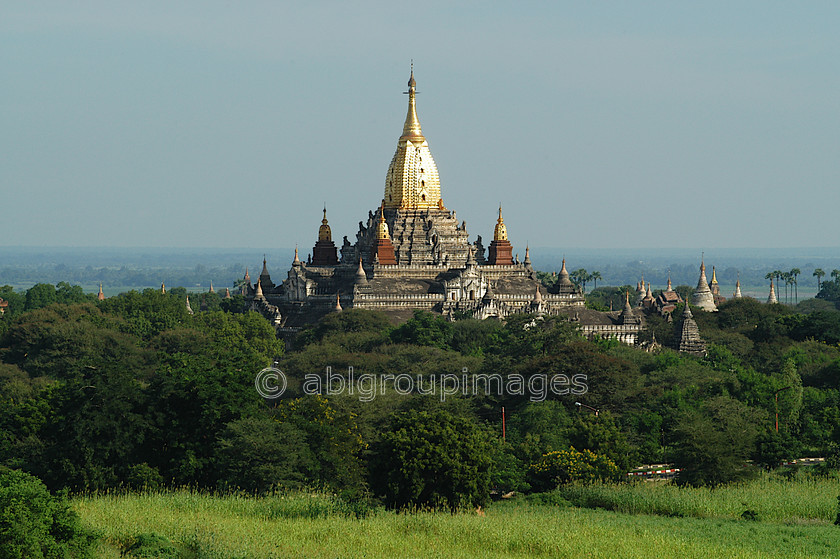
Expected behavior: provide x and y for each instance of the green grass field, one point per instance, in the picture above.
(794, 519)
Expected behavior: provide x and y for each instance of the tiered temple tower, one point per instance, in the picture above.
(324, 252)
(501, 251)
(412, 253)
(689, 335)
(383, 250)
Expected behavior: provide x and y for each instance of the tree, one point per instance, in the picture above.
(714, 441)
(836, 275)
(432, 458)
(773, 448)
(596, 275)
(40, 295)
(795, 274)
(580, 277)
(424, 328)
(36, 525)
(349, 321)
(333, 440)
(788, 277)
(819, 273)
(778, 274)
(259, 453)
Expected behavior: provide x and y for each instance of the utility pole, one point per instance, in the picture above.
(503, 423)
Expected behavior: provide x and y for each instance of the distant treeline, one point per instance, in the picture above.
(225, 275)
(115, 277)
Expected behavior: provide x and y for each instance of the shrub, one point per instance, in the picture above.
(565, 466)
(153, 545)
(35, 524)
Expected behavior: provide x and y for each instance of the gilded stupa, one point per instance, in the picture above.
(412, 253)
(412, 181)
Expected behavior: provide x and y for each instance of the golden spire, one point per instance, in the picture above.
(500, 233)
(259, 293)
(411, 128)
(324, 232)
(101, 295)
(163, 287)
(669, 281)
(714, 276)
(296, 261)
(412, 181)
(382, 232)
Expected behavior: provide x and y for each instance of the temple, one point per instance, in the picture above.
(689, 340)
(703, 296)
(411, 253)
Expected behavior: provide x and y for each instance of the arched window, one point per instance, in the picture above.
(472, 295)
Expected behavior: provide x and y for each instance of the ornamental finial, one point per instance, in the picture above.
(411, 129)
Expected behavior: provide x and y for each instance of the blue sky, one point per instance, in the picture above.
(229, 124)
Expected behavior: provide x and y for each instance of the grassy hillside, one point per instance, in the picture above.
(313, 525)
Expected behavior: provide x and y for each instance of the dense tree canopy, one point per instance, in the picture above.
(135, 391)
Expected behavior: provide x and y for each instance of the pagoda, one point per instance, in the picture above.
(412, 253)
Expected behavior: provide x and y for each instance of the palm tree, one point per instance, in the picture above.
(778, 275)
(579, 276)
(596, 275)
(795, 273)
(819, 273)
(788, 277)
(836, 275)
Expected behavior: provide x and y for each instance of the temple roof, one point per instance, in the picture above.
(412, 181)
(563, 279)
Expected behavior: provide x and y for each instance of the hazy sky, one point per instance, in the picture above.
(229, 124)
